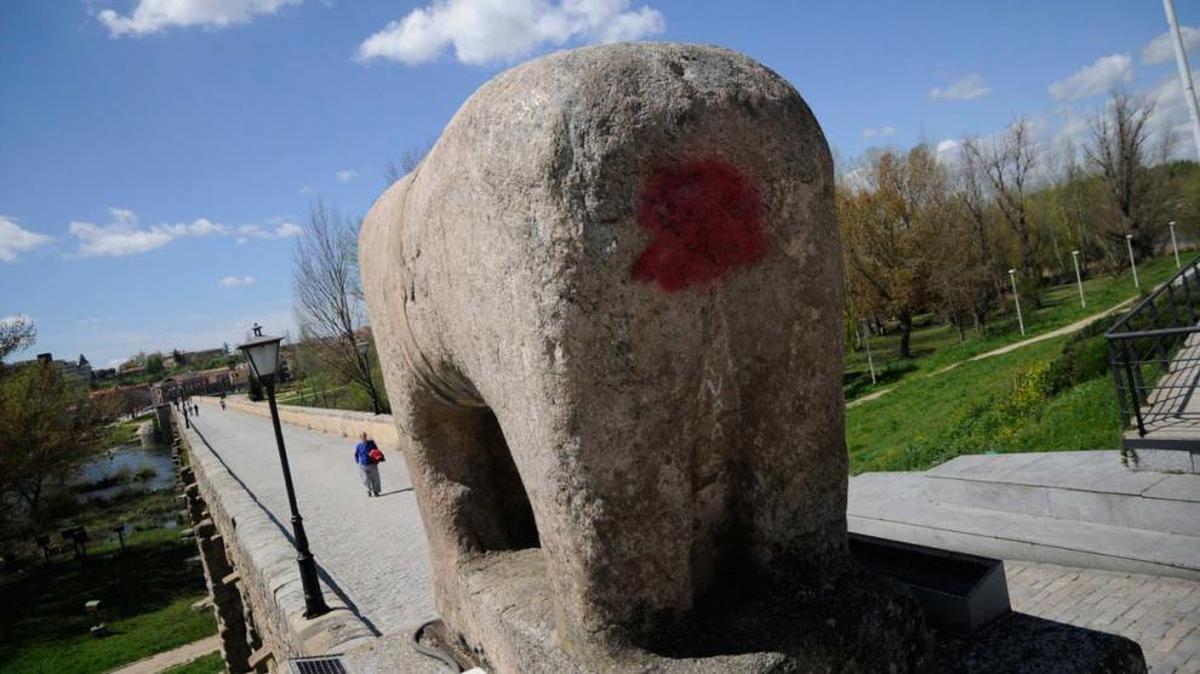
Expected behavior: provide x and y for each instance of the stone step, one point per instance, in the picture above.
(1078, 486)
(895, 509)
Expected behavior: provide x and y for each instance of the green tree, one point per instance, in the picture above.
(154, 364)
(47, 426)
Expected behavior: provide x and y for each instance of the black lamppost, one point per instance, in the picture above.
(263, 355)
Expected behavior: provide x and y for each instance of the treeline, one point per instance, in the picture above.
(48, 425)
(937, 232)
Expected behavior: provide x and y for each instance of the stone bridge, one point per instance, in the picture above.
(371, 553)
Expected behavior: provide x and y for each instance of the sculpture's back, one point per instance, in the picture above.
(608, 304)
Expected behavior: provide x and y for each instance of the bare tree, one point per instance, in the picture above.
(16, 333)
(1118, 149)
(1008, 162)
(329, 302)
(410, 159)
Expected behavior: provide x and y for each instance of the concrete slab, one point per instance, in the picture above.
(1099, 471)
(1176, 487)
(1016, 536)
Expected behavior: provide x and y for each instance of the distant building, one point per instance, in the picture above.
(123, 399)
(80, 370)
(205, 382)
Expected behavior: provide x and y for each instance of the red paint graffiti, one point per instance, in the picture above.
(706, 220)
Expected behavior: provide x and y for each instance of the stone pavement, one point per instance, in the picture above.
(371, 549)
(1162, 614)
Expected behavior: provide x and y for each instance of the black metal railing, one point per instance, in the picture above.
(1154, 354)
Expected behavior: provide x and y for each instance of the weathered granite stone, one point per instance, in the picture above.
(608, 307)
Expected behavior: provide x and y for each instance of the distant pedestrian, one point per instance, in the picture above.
(222, 404)
(196, 409)
(368, 458)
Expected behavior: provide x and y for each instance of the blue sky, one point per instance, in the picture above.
(156, 156)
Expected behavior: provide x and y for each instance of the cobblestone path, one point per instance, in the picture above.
(1162, 614)
(373, 549)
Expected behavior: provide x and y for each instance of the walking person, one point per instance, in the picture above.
(368, 457)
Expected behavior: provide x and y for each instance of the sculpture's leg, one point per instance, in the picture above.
(611, 489)
(471, 498)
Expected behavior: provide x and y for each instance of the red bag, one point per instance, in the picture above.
(376, 456)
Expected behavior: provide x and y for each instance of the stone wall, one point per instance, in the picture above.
(250, 567)
(340, 422)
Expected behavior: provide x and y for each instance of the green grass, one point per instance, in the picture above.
(146, 512)
(146, 594)
(991, 405)
(935, 346)
(208, 664)
(125, 432)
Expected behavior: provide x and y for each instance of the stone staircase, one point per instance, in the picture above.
(1080, 509)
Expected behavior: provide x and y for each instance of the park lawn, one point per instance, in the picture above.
(990, 405)
(936, 346)
(208, 664)
(125, 433)
(146, 595)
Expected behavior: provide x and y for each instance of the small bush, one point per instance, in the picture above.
(1081, 360)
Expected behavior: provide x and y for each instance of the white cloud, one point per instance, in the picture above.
(287, 229)
(881, 132)
(1102, 75)
(962, 89)
(1162, 48)
(235, 281)
(152, 16)
(486, 31)
(282, 230)
(14, 239)
(346, 175)
(305, 190)
(125, 236)
(948, 145)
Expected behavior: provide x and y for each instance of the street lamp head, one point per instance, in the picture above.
(1012, 271)
(1171, 223)
(1074, 252)
(263, 354)
(1129, 236)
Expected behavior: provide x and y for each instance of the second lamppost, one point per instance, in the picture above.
(263, 355)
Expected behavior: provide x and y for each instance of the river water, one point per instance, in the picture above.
(127, 460)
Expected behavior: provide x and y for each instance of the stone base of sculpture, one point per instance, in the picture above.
(850, 622)
(853, 622)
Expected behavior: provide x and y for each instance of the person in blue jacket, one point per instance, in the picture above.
(367, 466)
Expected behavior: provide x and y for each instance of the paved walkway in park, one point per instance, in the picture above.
(372, 549)
(173, 658)
(1162, 614)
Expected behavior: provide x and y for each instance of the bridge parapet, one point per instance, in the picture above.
(250, 566)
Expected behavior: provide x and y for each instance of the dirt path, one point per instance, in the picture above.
(184, 654)
(1065, 330)
(1059, 332)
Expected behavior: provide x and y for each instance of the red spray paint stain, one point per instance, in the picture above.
(706, 220)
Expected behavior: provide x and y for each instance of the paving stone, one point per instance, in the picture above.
(1161, 614)
(373, 549)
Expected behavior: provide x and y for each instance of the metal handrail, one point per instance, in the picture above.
(1151, 336)
(1160, 332)
(1154, 295)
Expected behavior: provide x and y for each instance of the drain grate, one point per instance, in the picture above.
(323, 665)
